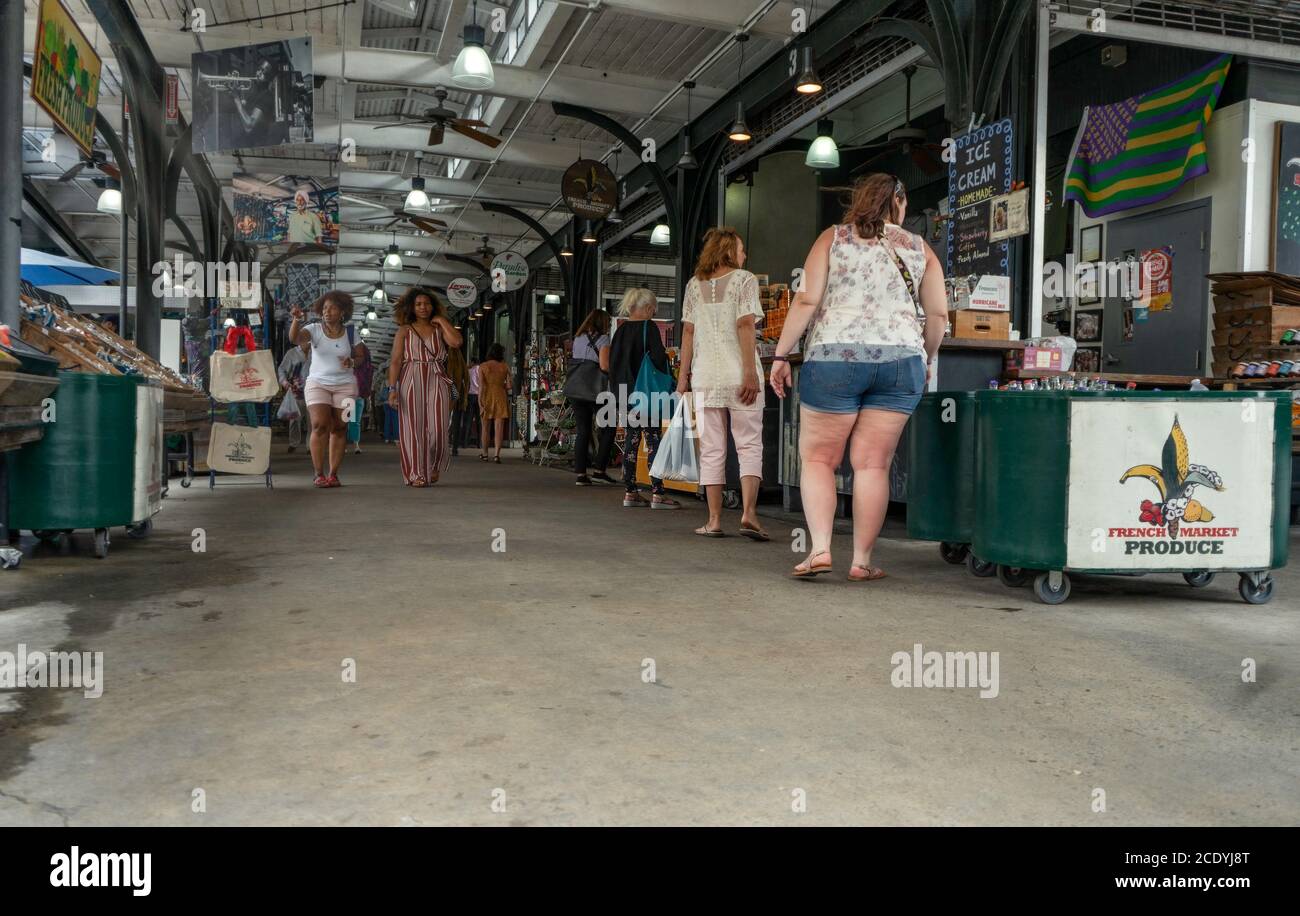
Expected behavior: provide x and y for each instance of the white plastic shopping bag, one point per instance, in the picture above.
(677, 458)
(239, 449)
(288, 408)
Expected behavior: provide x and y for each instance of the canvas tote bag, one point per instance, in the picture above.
(239, 449)
(246, 377)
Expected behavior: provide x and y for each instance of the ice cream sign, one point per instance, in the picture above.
(1178, 484)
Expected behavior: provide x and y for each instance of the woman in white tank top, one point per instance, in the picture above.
(874, 297)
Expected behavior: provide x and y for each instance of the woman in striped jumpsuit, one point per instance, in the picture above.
(419, 386)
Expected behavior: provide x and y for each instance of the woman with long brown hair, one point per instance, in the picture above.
(874, 297)
(418, 384)
(720, 315)
(331, 388)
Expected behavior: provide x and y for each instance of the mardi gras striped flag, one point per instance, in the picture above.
(1142, 149)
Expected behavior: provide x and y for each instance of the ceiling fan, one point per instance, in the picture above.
(96, 160)
(913, 141)
(441, 117)
(485, 252)
(428, 224)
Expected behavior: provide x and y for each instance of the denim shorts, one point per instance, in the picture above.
(847, 387)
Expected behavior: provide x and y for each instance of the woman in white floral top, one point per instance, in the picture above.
(873, 294)
(719, 364)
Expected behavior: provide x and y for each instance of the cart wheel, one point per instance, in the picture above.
(101, 543)
(1256, 594)
(1014, 576)
(8, 562)
(140, 530)
(185, 482)
(1045, 593)
(953, 553)
(983, 569)
(731, 499)
(1198, 579)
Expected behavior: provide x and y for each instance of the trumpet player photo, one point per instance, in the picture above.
(254, 96)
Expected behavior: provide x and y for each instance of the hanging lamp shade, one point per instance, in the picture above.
(377, 294)
(416, 199)
(660, 235)
(110, 199)
(808, 83)
(365, 331)
(823, 153)
(687, 160)
(588, 233)
(739, 131)
(473, 67)
(371, 315)
(551, 299)
(393, 260)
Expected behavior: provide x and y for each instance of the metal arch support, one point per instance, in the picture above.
(466, 259)
(628, 139)
(699, 202)
(547, 239)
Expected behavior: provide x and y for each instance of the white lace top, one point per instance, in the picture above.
(867, 313)
(714, 307)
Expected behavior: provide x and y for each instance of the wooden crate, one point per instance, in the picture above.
(976, 324)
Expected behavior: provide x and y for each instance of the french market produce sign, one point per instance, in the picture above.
(509, 272)
(589, 188)
(980, 172)
(462, 292)
(65, 74)
(1177, 484)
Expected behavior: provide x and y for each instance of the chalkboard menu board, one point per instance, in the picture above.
(981, 171)
(1286, 207)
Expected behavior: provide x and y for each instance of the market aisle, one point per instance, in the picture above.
(526, 671)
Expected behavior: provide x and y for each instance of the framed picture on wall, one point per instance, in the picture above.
(1087, 326)
(1286, 201)
(1087, 359)
(1090, 244)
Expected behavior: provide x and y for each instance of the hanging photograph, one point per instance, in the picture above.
(1087, 359)
(65, 74)
(1286, 203)
(1010, 215)
(286, 208)
(1087, 326)
(251, 96)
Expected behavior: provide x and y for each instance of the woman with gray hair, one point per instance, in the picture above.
(637, 339)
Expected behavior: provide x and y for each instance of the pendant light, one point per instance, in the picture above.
(365, 331)
(377, 294)
(687, 160)
(551, 299)
(588, 233)
(615, 216)
(739, 131)
(393, 260)
(566, 250)
(110, 199)
(473, 67)
(372, 314)
(823, 153)
(416, 199)
(661, 235)
(809, 83)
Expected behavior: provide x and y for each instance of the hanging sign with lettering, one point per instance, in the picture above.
(980, 172)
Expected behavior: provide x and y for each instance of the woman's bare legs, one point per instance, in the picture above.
(822, 437)
(322, 424)
(338, 441)
(871, 450)
(501, 434)
(484, 439)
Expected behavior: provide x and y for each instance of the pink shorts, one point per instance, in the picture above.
(336, 396)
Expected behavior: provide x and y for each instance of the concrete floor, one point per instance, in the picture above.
(521, 671)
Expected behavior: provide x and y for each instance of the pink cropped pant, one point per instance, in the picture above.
(746, 430)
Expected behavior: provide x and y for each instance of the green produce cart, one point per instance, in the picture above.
(941, 478)
(98, 465)
(1134, 482)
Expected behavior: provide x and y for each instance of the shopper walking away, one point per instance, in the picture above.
(419, 387)
(364, 371)
(638, 339)
(493, 400)
(458, 372)
(873, 294)
(467, 431)
(331, 387)
(292, 373)
(591, 346)
(720, 315)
